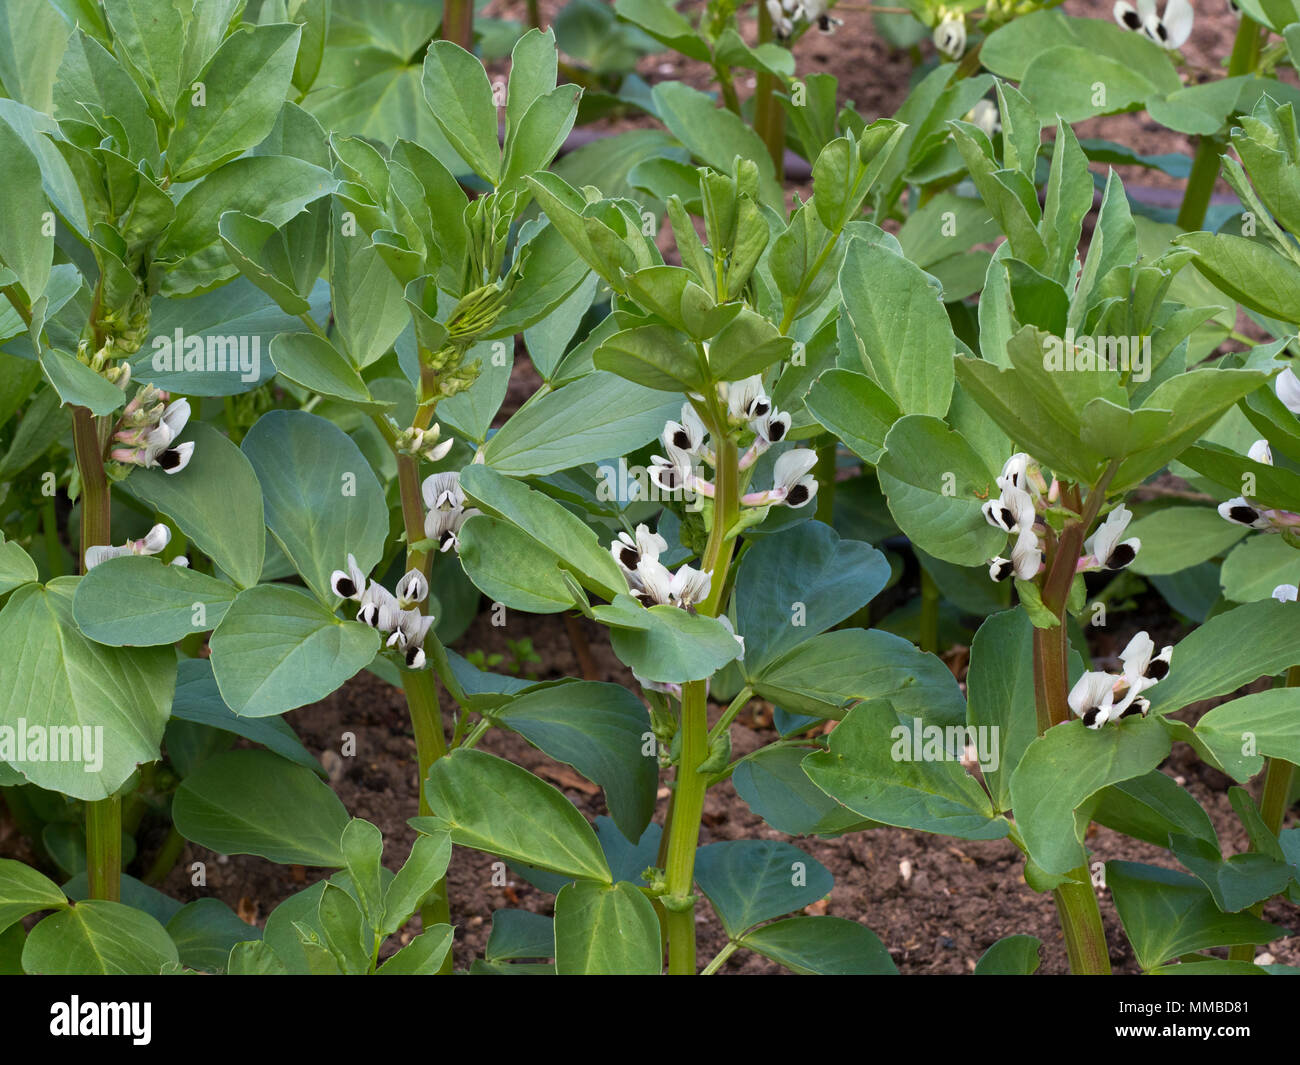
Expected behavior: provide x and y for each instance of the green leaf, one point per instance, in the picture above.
(935, 483)
(1167, 914)
(606, 930)
(873, 767)
(1063, 769)
(458, 91)
(1257, 566)
(423, 956)
(1266, 640)
(16, 567)
(1000, 695)
(520, 934)
(98, 938)
(23, 890)
(854, 408)
(277, 649)
(244, 87)
(205, 931)
(750, 881)
(366, 296)
(665, 643)
(598, 729)
(315, 363)
(134, 601)
(906, 340)
(773, 784)
(1236, 882)
(595, 417)
(272, 188)
(799, 582)
(1252, 273)
(78, 385)
(845, 169)
(198, 701)
(26, 247)
(152, 34)
(215, 501)
(1243, 732)
(109, 703)
(1150, 808)
(654, 357)
(266, 255)
(510, 567)
(322, 499)
(824, 674)
(491, 805)
(426, 865)
(715, 137)
(1060, 82)
(822, 946)
(1010, 956)
(1177, 537)
(254, 802)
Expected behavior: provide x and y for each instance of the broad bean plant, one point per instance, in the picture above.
(262, 309)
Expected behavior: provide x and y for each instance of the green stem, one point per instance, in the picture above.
(688, 808)
(50, 533)
(458, 23)
(534, 14)
(720, 959)
(1205, 164)
(769, 118)
(104, 817)
(929, 613)
(104, 848)
(729, 715)
(1085, 938)
(168, 855)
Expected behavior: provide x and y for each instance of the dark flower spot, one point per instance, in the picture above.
(345, 588)
(170, 459)
(1132, 21)
(776, 431)
(1090, 716)
(1158, 670)
(682, 439)
(1004, 570)
(799, 494)
(1121, 557)
(629, 557)
(1244, 515)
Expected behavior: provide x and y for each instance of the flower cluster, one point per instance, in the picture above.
(445, 499)
(1099, 698)
(395, 613)
(1015, 512)
(787, 14)
(1169, 29)
(150, 544)
(423, 443)
(147, 429)
(1248, 512)
(687, 447)
(950, 34)
(649, 580)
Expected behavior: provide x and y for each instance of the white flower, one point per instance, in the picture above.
(158, 450)
(985, 115)
(1169, 30)
(781, 25)
(688, 435)
(1139, 662)
(1012, 512)
(1104, 545)
(771, 428)
(1287, 386)
(442, 491)
(1015, 471)
(628, 551)
(410, 627)
(150, 544)
(654, 583)
(1260, 452)
(690, 586)
(348, 584)
(1286, 593)
(1093, 699)
(794, 484)
(673, 473)
(379, 608)
(1000, 569)
(1240, 511)
(1026, 555)
(950, 36)
(411, 589)
(746, 400)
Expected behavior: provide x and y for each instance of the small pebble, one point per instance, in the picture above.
(905, 870)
